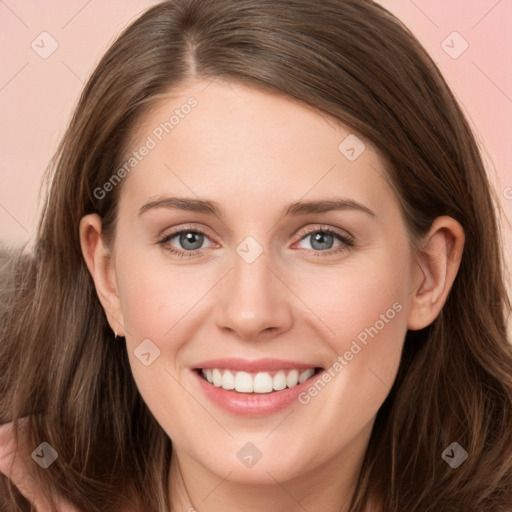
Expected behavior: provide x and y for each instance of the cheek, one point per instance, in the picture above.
(162, 303)
(356, 299)
(364, 307)
(155, 296)
(157, 305)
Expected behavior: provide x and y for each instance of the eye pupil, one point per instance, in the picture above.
(320, 237)
(188, 237)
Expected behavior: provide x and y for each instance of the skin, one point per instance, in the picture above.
(237, 146)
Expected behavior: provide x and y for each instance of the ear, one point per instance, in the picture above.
(100, 264)
(438, 259)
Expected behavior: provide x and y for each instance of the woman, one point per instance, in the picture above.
(335, 336)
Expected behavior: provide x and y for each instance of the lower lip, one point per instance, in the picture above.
(252, 404)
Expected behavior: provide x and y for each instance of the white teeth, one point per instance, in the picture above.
(306, 374)
(217, 378)
(228, 380)
(244, 382)
(261, 382)
(293, 378)
(279, 381)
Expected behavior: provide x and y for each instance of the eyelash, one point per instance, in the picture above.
(347, 242)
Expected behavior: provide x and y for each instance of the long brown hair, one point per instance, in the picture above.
(355, 61)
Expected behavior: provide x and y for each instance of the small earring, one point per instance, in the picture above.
(115, 334)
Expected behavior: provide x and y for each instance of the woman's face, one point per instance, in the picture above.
(274, 283)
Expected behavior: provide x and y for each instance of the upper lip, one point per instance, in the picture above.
(256, 365)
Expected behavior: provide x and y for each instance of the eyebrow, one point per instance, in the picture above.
(214, 208)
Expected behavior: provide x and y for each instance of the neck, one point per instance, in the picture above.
(326, 487)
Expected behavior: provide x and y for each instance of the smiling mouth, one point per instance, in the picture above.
(258, 382)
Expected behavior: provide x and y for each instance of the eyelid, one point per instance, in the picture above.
(343, 236)
(187, 228)
(325, 228)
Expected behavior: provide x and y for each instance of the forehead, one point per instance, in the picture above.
(243, 145)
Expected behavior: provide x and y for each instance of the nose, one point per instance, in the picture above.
(254, 300)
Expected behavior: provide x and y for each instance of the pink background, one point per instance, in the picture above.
(37, 95)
